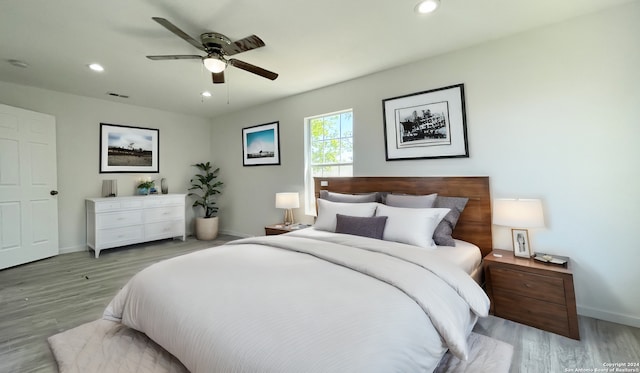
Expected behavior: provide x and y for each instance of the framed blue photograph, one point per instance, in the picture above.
(261, 145)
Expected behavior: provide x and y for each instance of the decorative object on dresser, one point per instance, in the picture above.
(532, 293)
(120, 221)
(145, 185)
(129, 149)
(429, 124)
(519, 214)
(109, 188)
(206, 189)
(164, 186)
(288, 201)
(276, 229)
(261, 145)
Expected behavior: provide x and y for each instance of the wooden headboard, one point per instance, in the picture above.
(474, 224)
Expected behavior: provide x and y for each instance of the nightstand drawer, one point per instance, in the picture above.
(532, 312)
(545, 288)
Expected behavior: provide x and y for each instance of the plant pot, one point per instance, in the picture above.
(207, 228)
(143, 191)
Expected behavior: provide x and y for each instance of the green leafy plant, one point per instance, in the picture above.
(146, 183)
(206, 187)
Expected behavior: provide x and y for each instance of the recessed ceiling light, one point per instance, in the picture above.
(96, 67)
(427, 6)
(206, 94)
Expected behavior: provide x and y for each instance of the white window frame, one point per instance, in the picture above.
(310, 201)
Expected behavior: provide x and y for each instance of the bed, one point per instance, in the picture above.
(316, 300)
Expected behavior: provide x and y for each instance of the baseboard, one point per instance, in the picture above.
(233, 233)
(72, 249)
(609, 316)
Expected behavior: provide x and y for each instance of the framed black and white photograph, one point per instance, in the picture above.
(521, 245)
(429, 124)
(261, 145)
(129, 149)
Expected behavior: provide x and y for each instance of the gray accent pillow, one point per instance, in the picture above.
(348, 198)
(442, 234)
(410, 201)
(366, 227)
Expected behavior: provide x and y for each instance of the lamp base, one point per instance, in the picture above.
(288, 217)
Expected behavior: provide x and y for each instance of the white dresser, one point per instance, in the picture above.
(120, 221)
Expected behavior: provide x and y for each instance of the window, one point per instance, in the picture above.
(328, 150)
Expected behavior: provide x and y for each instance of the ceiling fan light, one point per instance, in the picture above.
(427, 6)
(214, 65)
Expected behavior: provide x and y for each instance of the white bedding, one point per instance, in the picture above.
(295, 303)
(465, 256)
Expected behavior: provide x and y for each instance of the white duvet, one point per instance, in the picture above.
(304, 302)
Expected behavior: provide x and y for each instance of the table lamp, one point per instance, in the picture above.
(519, 215)
(287, 201)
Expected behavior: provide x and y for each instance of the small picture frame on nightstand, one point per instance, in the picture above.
(521, 245)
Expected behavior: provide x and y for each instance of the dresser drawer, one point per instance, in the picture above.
(167, 229)
(116, 205)
(539, 314)
(119, 236)
(164, 201)
(545, 288)
(118, 219)
(163, 213)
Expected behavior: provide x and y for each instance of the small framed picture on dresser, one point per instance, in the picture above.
(521, 245)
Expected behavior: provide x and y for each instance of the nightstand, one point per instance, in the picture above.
(532, 293)
(272, 230)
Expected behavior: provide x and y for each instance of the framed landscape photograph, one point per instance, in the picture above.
(129, 149)
(429, 124)
(261, 145)
(521, 245)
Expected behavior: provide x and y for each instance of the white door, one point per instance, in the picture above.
(28, 182)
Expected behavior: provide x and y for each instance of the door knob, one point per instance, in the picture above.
(53, 192)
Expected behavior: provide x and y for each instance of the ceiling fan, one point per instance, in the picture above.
(217, 47)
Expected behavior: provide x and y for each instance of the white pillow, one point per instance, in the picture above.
(411, 226)
(327, 211)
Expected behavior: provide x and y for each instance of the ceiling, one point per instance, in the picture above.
(311, 44)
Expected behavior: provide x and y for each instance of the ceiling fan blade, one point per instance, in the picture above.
(175, 57)
(243, 45)
(218, 78)
(183, 35)
(253, 69)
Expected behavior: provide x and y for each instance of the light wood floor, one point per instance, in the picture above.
(46, 297)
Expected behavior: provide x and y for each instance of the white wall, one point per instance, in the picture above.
(552, 113)
(183, 141)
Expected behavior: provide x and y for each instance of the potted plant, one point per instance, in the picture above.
(145, 186)
(205, 187)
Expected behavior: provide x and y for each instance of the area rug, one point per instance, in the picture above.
(104, 346)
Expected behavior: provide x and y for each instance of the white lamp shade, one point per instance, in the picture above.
(214, 65)
(287, 200)
(518, 213)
